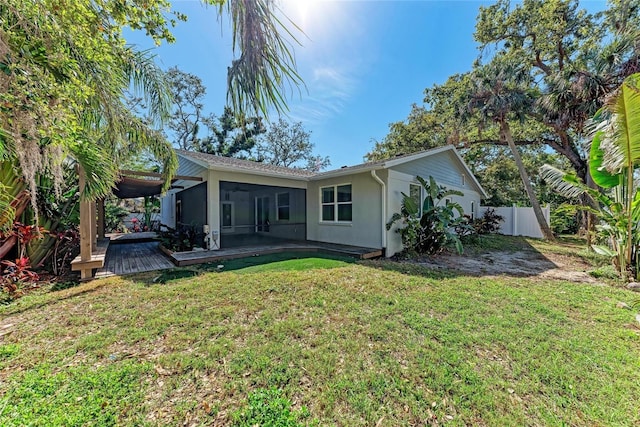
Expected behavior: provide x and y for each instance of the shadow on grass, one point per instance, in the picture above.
(49, 297)
(491, 255)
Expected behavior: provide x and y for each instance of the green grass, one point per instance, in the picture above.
(321, 341)
(283, 261)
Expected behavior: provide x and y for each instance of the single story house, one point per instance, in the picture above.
(243, 201)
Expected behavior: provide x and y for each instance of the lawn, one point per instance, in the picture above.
(320, 341)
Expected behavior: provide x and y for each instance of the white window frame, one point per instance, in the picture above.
(335, 204)
(278, 206)
(473, 210)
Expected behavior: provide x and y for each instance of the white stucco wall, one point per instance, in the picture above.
(364, 229)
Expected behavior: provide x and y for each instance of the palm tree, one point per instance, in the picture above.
(614, 158)
(500, 93)
(63, 72)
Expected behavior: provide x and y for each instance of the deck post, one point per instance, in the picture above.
(94, 226)
(101, 218)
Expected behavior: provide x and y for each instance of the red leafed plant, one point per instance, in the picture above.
(15, 274)
(25, 234)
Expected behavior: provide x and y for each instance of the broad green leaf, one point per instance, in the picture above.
(596, 156)
(627, 120)
(603, 250)
(410, 205)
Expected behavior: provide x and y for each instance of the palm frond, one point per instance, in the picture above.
(564, 183)
(259, 77)
(100, 170)
(149, 81)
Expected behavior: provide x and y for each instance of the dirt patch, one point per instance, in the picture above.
(525, 263)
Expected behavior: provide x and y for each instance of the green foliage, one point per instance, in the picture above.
(192, 128)
(70, 94)
(268, 407)
(232, 134)
(65, 69)
(488, 223)
(616, 148)
(181, 239)
(605, 272)
(151, 206)
(574, 60)
(113, 216)
(289, 145)
(435, 229)
(564, 220)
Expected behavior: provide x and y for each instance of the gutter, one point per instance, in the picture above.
(384, 207)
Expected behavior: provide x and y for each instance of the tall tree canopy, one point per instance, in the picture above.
(64, 66)
(289, 145)
(575, 59)
(191, 127)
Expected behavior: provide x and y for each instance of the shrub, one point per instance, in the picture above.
(488, 223)
(113, 216)
(437, 228)
(183, 238)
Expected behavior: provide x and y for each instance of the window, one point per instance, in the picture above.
(464, 181)
(282, 202)
(415, 193)
(473, 210)
(336, 203)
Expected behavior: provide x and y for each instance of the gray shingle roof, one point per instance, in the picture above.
(245, 165)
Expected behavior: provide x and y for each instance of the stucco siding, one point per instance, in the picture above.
(365, 229)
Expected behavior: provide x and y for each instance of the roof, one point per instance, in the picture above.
(398, 160)
(130, 188)
(233, 164)
(383, 164)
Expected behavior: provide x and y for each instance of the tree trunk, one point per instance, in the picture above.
(544, 227)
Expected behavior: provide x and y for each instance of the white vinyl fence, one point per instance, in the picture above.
(519, 221)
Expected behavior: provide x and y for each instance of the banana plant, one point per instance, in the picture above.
(435, 228)
(614, 157)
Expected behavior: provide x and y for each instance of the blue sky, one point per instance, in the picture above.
(364, 62)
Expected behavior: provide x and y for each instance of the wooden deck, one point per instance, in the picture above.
(128, 258)
(200, 257)
(97, 258)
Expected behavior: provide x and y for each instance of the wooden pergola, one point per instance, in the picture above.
(93, 244)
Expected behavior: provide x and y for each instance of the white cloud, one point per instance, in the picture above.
(329, 91)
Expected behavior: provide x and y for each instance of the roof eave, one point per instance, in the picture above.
(349, 171)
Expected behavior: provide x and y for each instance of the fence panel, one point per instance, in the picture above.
(519, 221)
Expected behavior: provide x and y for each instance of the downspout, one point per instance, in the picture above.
(384, 208)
